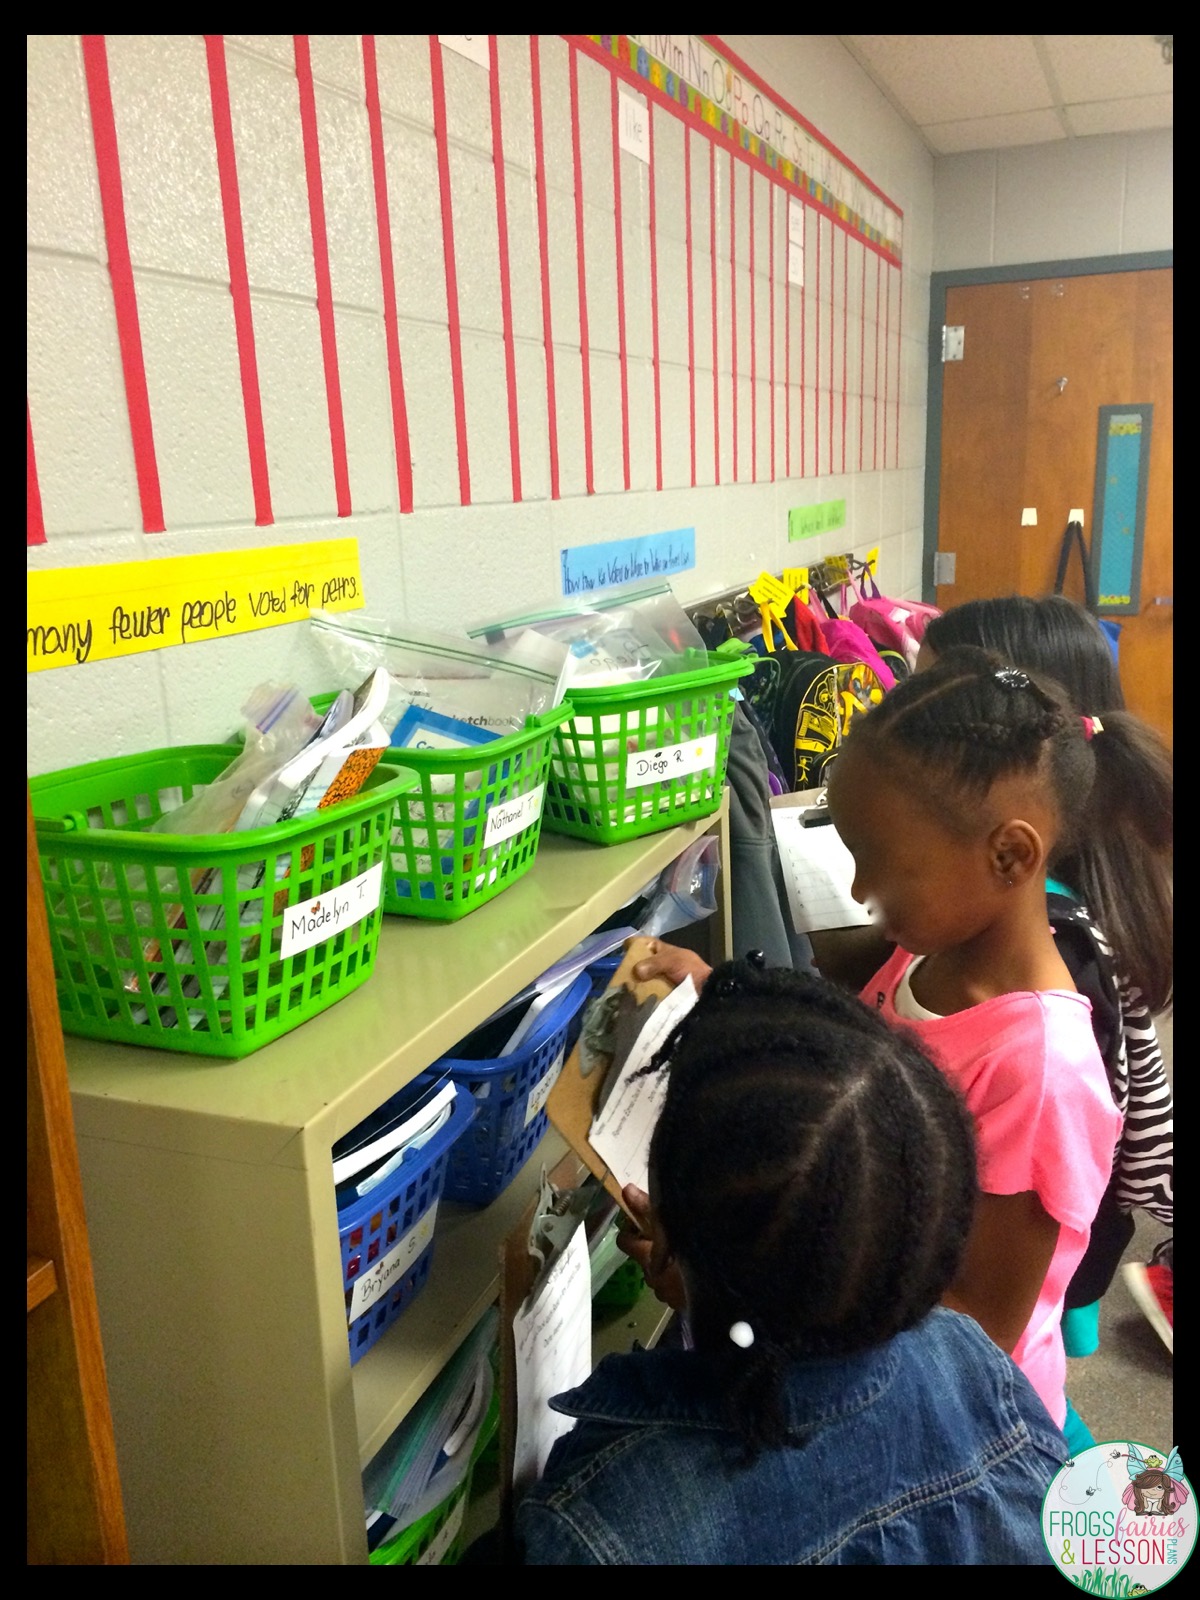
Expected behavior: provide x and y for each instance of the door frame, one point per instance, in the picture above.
(939, 283)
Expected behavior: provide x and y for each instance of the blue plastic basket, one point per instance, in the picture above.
(510, 1098)
(389, 1232)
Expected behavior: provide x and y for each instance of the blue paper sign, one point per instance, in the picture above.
(651, 555)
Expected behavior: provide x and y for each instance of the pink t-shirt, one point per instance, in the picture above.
(1028, 1067)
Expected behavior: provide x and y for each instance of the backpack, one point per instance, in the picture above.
(816, 700)
(897, 625)
(848, 642)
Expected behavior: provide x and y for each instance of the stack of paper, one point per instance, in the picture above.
(429, 1454)
(406, 1122)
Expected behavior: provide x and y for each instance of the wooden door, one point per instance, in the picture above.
(1014, 436)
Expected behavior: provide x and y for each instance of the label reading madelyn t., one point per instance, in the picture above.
(331, 913)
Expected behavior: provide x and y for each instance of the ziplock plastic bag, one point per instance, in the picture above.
(621, 636)
(445, 691)
(686, 890)
(279, 723)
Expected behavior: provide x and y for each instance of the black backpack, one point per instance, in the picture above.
(815, 703)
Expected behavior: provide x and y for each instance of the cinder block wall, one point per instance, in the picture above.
(850, 425)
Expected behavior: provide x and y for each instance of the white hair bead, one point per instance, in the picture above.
(742, 1335)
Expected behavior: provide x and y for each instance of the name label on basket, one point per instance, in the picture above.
(671, 761)
(511, 816)
(373, 1285)
(332, 912)
(432, 1555)
(540, 1092)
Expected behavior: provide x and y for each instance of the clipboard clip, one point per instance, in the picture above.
(557, 1215)
(813, 816)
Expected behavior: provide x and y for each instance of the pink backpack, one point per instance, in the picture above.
(891, 624)
(848, 642)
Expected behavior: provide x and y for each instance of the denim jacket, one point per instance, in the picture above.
(932, 1448)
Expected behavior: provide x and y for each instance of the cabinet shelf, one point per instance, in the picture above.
(241, 1427)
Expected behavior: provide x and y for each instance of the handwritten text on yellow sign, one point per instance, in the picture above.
(79, 614)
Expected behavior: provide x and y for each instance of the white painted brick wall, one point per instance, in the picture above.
(443, 561)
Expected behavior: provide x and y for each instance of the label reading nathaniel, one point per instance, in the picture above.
(512, 816)
(672, 761)
(375, 1283)
(332, 912)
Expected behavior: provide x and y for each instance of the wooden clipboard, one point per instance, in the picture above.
(571, 1104)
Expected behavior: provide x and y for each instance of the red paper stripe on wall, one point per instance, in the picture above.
(862, 359)
(620, 239)
(239, 280)
(874, 421)
(391, 326)
(687, 204)
(316, 212)
(712, 256)
(803, 342)
(584, 341)
(438, 86)
(787, 352)
(35, 527)
(658, 472)
(539, 156)
(771, 329)
(753, 353)
(845, 334)
(899, 354)
(817, 361)
(832, 330)
(887, 392)
(733, 302)
(510, 353)
(129, 333)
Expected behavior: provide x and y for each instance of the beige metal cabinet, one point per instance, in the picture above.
(241, 1427)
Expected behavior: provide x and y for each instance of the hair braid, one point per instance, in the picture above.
(814, 1171)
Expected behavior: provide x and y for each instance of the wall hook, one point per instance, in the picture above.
(1062, 384)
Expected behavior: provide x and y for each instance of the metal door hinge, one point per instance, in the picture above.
(952, 343)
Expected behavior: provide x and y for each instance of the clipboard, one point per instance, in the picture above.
(573, 1100)
(518, 1273)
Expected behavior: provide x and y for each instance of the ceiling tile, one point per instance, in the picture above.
(949, 77)
(993, 133)
(1107, 66)
(1121, 116)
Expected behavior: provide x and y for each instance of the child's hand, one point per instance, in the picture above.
(673, 963)
(636, 1240)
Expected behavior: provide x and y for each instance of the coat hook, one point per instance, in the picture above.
(1062, 384)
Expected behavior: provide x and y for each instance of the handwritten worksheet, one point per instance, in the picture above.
(553, 1338)
(622, 1128)
(818, 871)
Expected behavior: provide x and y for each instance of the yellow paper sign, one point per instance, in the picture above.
(796, 579)
(79, 614)
(873, 561)
(766, 590)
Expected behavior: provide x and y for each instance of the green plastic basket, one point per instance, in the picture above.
(141, 924)
(466, 825)
(640, 757)
(439, 1537)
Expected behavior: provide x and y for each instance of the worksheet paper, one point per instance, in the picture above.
(553, 1338)
(818, 871)
(622, 1128)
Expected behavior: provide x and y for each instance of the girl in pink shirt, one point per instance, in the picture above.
(952, 796)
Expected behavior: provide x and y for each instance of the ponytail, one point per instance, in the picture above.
(1121, 862)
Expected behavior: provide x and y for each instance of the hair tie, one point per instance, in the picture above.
(742, 1335)
(1011, 678)
(1091, 727)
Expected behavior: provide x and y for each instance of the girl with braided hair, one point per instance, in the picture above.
(812, 1176)
(953, 797)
